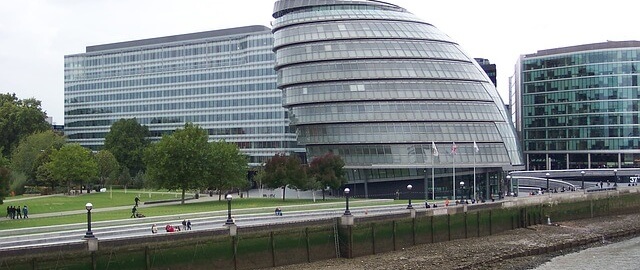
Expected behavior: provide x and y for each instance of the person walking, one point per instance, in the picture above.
(133, 211)
(188, 225)
(154, 229)
(137, 200)
(18, 212)
(184, 224)
(25, 212)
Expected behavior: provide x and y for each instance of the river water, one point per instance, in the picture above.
(620, 256)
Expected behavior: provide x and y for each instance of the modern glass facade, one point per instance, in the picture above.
(221, 80)
(380, 87)
(580, 106)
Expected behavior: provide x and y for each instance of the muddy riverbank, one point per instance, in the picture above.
(518, 249)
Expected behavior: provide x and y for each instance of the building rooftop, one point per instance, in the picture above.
(178, 38)
(587, 47)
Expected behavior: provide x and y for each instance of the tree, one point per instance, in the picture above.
(72, 164)
(282, 170)
(25, 157)
(327, 170)
(228, 167)
(5, 175)
(18, 119)
(180, 161)
(108, 167)
(127, 141)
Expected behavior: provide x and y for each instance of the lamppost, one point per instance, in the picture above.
(409, 187)
(615, 177)
(583, 173)
(461, 190)
(510, 184)
(89, 233)
(346, 195)
(229, 220)
(547, 175)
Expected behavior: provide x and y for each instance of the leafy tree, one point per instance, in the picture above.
(124, 178)
(72, 164)
(43, 175)
(180, 161)
(26, 158)
(5, 174)
(282, 170)
(18, 119)
(228, 167)
(108, 167)
(127, 141)
(327, 170)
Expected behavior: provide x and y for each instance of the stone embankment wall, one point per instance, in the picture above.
(270, 246)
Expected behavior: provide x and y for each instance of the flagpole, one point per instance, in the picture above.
(474, 174)
(453, 152)
(433, 179)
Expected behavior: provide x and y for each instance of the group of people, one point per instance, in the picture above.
(15, 212)
(186, 226)
(278, 211)
(134, 210)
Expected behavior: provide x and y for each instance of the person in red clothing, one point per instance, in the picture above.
(169, 228)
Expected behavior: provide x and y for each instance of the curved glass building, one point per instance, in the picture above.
(395, 97)
(578, 107)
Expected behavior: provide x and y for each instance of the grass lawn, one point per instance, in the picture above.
(154, 211)
(61, 203)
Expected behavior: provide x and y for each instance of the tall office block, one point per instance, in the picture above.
(221, 80)
(578, 106)
(490, 69)
(371, 82)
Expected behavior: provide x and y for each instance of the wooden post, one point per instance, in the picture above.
(449, 226)
(465, 226)
(306, 236)
(394, 234)
(234, 246)
(273, 249)
(433, 239)
(373, 237)
(147, 258)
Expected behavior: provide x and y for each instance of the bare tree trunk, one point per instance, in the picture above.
(284, 190)
(183, 192)
(323, 194)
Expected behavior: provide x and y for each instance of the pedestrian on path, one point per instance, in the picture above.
(137, 200)
(25, 212)
(18, 212)
(184, 224)
(188, 225)
(133, 211)
(154, 229)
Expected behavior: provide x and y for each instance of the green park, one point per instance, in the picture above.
(55, 179)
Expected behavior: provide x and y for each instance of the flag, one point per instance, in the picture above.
(454, 148)
(475, 147)
(434, 149)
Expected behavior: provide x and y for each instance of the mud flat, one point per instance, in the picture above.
(517, 249)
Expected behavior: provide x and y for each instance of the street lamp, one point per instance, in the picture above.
(346, 195)
(510, 183)
(409, 187)
(583, 173)
(547, 175)
(461, 190)
(89, 233)
(615, 177)
(229, 220)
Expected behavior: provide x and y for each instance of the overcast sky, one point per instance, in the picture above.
(36, 34)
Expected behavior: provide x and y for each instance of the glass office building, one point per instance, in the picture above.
(394, 96)
(221, 80)
(579, 106)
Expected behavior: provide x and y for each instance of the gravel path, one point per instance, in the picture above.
(490, 252)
